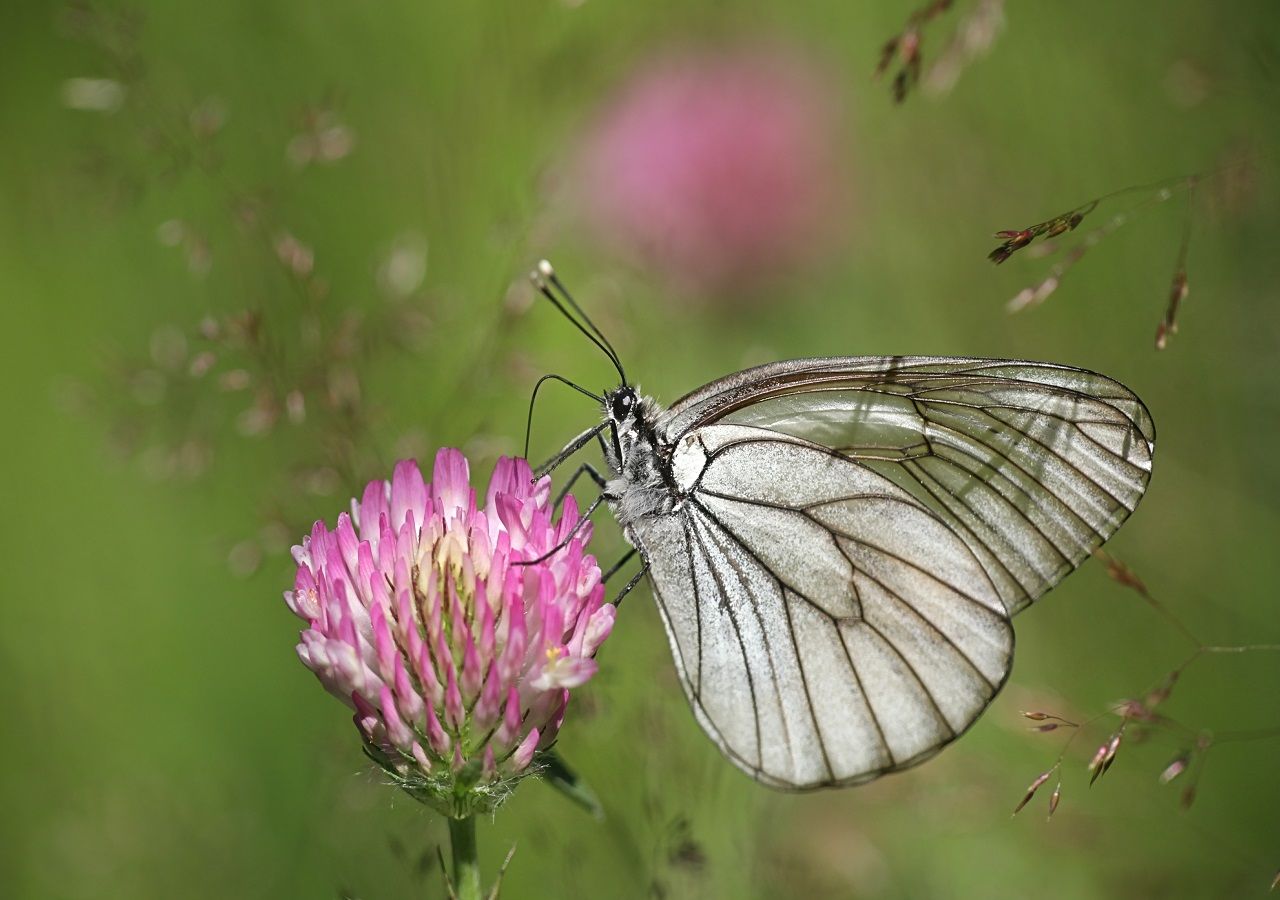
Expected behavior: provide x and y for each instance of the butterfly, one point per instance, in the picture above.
(837, 546)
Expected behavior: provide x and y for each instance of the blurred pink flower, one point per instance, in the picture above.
(720, 168)
(457, 660)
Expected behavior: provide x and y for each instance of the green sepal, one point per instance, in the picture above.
(557, 773)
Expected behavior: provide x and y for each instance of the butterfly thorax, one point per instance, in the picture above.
(638, 459)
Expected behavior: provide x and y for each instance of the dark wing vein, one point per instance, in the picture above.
(728, 608)
(785, 589)
(938, 714)
(884, 551)
(830, 531)
(1056, 457)
(890, 644)
(737, 633)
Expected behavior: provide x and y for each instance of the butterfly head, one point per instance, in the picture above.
(622, 405)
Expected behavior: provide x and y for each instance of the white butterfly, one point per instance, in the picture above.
(837, 545)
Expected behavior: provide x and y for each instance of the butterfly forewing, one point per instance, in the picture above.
(854, 535)
(1033, 465)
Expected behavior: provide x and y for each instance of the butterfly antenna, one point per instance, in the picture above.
(544, 278)
(546, 270)
(528, 426)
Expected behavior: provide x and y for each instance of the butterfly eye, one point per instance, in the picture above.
(621, 404)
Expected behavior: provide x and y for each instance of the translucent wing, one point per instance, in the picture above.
(856, 533)
(1033, 465)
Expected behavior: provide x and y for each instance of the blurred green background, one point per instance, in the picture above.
(161, 738)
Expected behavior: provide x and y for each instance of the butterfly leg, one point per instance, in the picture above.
(577, 526)
(626, 588)
(587, 469)
(571, 448)
(584, 469)
(613, 570)
(635, 579)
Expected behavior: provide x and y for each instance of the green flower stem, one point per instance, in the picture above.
(466, 862)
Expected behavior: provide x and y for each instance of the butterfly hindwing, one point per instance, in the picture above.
(812, 653)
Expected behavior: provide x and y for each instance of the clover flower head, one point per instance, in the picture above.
(452, 631)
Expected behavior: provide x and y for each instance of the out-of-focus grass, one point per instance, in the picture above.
(161, 738)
